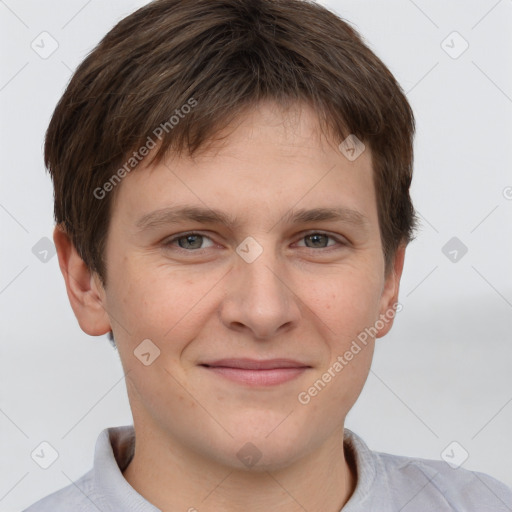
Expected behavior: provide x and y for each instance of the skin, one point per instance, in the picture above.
(295, 300)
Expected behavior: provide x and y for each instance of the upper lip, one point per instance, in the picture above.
(254, 364)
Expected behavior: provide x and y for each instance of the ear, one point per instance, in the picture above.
(389, 299)
(85, 291)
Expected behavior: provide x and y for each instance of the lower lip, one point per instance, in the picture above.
(257, 377)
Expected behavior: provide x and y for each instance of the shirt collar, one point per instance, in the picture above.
(114, 451)
(365, 461)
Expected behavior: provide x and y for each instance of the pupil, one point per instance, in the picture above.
(315, 238)
(190, 241)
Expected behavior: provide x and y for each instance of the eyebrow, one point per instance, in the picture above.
(202, 215)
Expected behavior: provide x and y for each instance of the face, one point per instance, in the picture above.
(257, 276)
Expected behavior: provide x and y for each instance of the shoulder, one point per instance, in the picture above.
(394, 482)
(77, 497)
(435, 481)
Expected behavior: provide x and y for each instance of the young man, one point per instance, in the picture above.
(232, 203)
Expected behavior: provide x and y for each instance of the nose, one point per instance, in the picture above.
(259, 297)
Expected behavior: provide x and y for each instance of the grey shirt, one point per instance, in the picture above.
(385, 483)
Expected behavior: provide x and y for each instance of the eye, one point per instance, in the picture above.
(189, 241)
(320, 240)
(193, 241)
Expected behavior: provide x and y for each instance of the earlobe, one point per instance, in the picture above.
(389, 297)
(85, 293)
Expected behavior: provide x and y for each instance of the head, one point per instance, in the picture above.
(234, 110)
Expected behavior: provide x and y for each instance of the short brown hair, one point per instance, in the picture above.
(224, 55)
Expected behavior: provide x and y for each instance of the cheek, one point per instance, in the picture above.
(157, 303)
(346, 302)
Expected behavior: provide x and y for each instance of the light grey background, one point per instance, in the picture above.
(444, 372)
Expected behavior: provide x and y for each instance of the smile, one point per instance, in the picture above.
(257, 373)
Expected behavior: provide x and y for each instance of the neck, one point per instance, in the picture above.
(173, 478)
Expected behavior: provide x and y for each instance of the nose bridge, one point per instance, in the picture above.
(259, 268)
(259, 297)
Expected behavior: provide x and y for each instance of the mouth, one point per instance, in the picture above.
(256, 373)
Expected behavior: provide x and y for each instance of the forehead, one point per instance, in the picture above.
(266, 163)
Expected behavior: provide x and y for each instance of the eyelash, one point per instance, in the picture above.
(170, 241)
